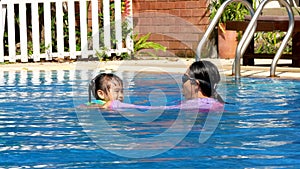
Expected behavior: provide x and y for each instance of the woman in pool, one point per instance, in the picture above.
(199, 85)
(201, 80)
(105, 87)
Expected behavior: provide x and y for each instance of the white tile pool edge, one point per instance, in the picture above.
(176, 66)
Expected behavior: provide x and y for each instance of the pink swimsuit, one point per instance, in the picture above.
(200, 104)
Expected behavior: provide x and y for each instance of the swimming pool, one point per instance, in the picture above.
(39, 126)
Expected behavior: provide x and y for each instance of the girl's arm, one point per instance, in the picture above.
(205, 105)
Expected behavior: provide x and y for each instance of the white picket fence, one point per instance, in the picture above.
(89, 46)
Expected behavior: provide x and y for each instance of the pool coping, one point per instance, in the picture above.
(176, 65)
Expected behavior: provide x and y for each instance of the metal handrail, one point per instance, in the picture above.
(286, 38)
(242, 46)
(250, 31)
(216, 20)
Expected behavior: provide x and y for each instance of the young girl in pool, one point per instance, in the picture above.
(199, 85)
(105, 87)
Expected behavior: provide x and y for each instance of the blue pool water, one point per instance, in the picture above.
(40, 128)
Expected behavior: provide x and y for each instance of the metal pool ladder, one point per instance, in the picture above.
(215, 20)
(248, 34)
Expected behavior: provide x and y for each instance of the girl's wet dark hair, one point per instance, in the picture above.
(101, 82)
(207, 74)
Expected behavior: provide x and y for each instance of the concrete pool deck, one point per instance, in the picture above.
(176, 65)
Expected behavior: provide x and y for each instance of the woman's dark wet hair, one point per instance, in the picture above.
(208, 76)
(101, 82)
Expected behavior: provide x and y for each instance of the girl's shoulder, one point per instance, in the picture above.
(93, 104)
(99, 102)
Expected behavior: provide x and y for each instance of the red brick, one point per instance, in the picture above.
(169, 5)
(149, 14)
(204, 21)
(157, 37)
(164, 43)
(162, 29)
(177, 45)
(178, 33)
(174, 29)
(193, 20)
(160, 21)
(144, 21)
(168, 38)
(200, 12)
(180, 5)
(145, 29)
(183, 52)
(185, 12)
(186, 37)
(174, 12)
(203, 3)
(172, 20)
(152, 6)
(202, 28)
(145, 6)
(164, 11)
(193, 4)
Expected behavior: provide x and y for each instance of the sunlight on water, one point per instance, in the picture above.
(39, 127)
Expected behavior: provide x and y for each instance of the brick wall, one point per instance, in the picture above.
(176, 24)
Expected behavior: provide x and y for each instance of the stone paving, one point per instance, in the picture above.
(177, 65)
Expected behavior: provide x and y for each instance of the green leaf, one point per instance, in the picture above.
(143, 43)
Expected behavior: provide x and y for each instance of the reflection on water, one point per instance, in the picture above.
(39, 127)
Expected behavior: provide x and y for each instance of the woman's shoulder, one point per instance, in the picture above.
(204, 103)
(206, 100)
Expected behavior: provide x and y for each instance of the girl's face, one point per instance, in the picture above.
(114, 93)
